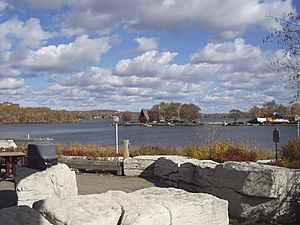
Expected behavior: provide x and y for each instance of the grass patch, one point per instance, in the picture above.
(221, 151)
(157, 150)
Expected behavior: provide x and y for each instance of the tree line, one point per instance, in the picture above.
(174, 111)
(268, 109)
(17, 114)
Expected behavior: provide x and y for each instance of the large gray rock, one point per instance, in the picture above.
(21, 215)
(140, 165)
(254, 191)
(189, 208)
(153, 206)
(197, 176)
(260, 192)
(33, 185)
(167, 168)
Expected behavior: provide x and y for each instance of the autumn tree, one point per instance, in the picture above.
(268, 108)
(172, 110)
(255, 111)
(126, 116)
(235, 113)
(286, 35)
(189, 112)
(295, 109)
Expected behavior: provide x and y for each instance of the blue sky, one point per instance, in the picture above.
(128, 55)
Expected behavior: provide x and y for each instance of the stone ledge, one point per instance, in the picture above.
(257, 191)
(150, 206)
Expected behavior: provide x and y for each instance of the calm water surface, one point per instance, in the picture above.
(102, 132)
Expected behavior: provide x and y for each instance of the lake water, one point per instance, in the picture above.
(103, 132)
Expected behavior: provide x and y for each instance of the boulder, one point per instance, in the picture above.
(254, 191)
(20, 215)
(259, 192)
(167, 168)
(197, 175)
(33, 185)
(153, 206)
(142, 166)
(189, 208)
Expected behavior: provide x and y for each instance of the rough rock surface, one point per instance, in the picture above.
(189, 208)
(140, 166)
(167, 168)
(254, 191)
(33, 185)
(151, 206)
(20, 215)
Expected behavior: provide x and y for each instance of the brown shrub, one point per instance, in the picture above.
(291, 150)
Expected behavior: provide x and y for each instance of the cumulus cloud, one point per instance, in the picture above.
(146, 64)
(3, 5)
(11, 83)
(53, 4)
(235, 56)
(226, 52)
(16, 37)
(12, 88)
(230, 20)
(146, 44)
(101, 84)
(23, 34)
(82, 52)
(7, 71)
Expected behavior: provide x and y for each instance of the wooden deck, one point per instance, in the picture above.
(94, 165)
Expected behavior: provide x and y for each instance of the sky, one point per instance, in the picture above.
(132, 54)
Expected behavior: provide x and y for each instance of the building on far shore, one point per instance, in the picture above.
(9, 104)
(144, 116)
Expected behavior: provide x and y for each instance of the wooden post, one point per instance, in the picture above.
(126, 149)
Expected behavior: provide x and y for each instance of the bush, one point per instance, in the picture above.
(221, 151)
(291, 150)
(292, 164)
(156, 150)
(289, 155)
(92, 151)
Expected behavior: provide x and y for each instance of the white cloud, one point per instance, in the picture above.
(102, 85)
(146, 44)
(16, 37)
(7, 71)
(147, 64)
(82, 52)
(229, 18)
(36, 4)
(3, 5)
(226, 52)
(24, 34)
(11, 84)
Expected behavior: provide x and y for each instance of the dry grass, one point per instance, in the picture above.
(221, 151)
(289, 155)
(156, 150)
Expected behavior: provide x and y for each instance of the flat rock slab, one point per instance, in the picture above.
(140, 165)
(151, 206)
(21, 215)
(33, 185)
(189, 208)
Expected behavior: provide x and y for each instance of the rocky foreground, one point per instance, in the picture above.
(203, 192)
(60, 204)
(255, 192)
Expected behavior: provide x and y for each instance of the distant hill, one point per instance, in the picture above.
(14, 113)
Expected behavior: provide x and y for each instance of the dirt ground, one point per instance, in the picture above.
(87, 184)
